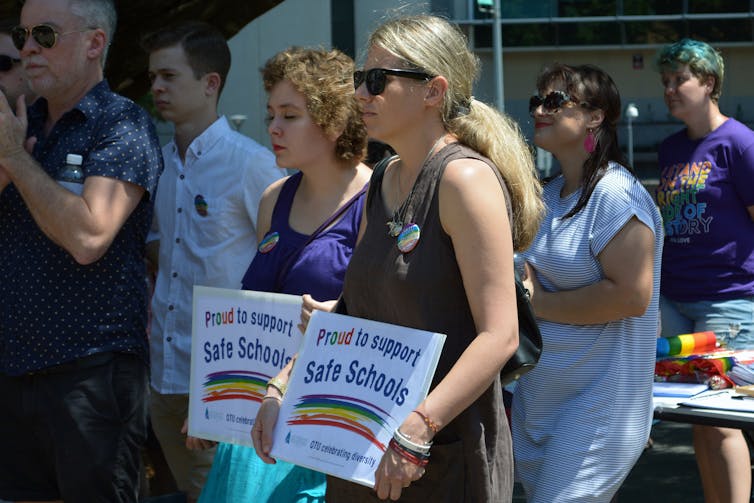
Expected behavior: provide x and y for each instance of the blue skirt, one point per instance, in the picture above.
(239, 475)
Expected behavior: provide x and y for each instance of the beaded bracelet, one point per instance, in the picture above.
(405, 441)
(430, 424)
(278, 385)
(413, 458)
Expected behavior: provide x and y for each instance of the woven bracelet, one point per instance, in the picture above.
(430, 424)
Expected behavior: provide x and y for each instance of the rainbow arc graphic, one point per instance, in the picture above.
(235, 385)
(344, 412)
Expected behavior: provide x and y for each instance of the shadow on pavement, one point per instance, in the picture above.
(665, 473)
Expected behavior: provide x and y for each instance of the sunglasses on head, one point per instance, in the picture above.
(550, 103)
(43, 34)
(375, 78)
(7, 62)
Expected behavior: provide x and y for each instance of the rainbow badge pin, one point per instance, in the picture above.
(409, 238)
(269, 242)
(201, 205)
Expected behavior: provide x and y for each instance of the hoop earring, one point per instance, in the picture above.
(590, 143)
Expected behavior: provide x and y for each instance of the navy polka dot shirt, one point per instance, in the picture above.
(52, 309)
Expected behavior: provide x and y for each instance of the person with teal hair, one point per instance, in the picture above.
(706, 199)
(702, 59)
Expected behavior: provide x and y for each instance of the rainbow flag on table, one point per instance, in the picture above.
(686, 344)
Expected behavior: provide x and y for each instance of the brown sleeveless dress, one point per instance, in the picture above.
(471, 459)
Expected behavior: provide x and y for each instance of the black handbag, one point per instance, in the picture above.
(529, 339)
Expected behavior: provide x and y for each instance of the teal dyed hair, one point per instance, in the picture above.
(703, 61)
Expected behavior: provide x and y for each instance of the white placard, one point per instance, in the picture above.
(240, 340)
(353, 384)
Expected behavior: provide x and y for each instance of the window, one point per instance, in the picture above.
(654, 32)
(582, 8)
(713, 6)
(728, 30)
(662, 23)
(652, 7)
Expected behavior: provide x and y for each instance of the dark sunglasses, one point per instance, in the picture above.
(43, 34)
(375, 78)
(551, 103)
(7, 62)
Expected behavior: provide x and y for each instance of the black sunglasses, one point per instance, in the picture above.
(43, 34)
(7, 62)
(375, 78)
(551, 103)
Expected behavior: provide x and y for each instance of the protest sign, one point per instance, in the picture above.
(240, 340)
(353, 384)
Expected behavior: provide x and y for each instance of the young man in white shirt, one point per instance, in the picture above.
(205, 219)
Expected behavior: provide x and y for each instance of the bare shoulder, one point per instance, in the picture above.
(468, 174)
(266, 205)
(363, 174)
(273, 190)
(469, 192)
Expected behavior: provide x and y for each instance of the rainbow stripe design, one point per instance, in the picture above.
(269, 242)
(409, 238)
(235, 385)
(201, 205)
(687, 344)
(344, 412)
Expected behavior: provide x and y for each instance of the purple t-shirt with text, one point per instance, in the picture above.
(705, 188)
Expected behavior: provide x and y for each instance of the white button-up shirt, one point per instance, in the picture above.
(205, 218)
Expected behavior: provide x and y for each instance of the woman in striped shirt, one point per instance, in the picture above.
(581, 418)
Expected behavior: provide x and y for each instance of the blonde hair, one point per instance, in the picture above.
(432, 44)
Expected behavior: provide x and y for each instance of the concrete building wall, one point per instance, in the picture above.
(368, 14)
(293, 22)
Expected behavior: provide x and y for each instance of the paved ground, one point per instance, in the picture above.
(666, 473)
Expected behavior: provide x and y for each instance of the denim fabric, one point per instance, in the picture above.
(731, 320)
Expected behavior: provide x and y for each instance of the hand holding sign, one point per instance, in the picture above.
(309, 305)
(261, 434)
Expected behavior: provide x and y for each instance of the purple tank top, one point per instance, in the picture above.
(319, 268)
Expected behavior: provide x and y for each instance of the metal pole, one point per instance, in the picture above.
(630, 142)
(497, 47)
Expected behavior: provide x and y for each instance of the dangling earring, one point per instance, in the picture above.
(589, 142)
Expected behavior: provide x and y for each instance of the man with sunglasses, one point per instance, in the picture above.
(73, 349)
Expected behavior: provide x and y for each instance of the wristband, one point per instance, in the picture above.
(405, 442)
(411, 457)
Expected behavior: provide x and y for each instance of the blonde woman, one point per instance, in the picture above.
(442, 220)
